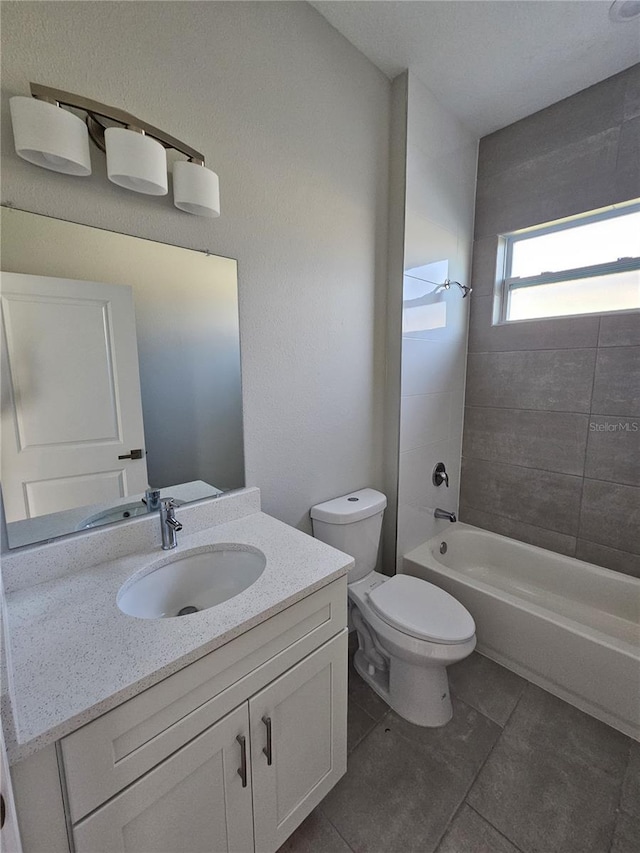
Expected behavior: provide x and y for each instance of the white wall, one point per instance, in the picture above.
(441, 158)
(295, 121)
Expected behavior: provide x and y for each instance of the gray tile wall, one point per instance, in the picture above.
(551, 455)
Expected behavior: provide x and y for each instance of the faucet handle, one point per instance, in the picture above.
(440, 475)
(152, 499)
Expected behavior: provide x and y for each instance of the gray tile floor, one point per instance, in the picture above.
(515, 771)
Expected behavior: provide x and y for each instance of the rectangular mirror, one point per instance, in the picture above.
(120, 372)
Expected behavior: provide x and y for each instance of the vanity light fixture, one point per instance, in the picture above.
(47, 135)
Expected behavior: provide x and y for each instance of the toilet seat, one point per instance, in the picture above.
(422, 610)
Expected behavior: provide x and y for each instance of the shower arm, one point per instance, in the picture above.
(466, 290)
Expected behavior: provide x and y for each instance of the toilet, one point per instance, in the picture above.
(409, 631)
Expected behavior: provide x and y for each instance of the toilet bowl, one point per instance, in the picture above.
(408, 630)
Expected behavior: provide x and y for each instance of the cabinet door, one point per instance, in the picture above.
(303, 716)
(194, 802)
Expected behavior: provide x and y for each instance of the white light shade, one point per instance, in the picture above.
(196, 189)
(135, 161)
(49, 136)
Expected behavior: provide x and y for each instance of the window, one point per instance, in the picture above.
(587, 265)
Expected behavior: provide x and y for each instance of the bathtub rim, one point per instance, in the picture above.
(524, 666)
(424, 551)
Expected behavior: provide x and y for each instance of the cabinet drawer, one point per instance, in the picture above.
(111, 752)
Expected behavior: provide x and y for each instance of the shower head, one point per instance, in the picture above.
(466, 290)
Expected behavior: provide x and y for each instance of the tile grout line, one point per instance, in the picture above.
(473, 459)
(526, 684)
(361, 741)
(528, 409)
(586, 447)
(519, 521)
(501, 834)
(595, 346)
(500, 461)
(618, 809)
(367, 733)
(330, 822)
(463, 801)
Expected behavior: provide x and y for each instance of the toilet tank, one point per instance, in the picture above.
(352, 523)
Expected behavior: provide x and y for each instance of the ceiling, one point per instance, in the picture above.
(491, 62)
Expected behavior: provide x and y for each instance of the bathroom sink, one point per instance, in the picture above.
(192, 582)
(116, 513)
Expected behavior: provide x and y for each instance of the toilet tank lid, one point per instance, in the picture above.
(349, 508)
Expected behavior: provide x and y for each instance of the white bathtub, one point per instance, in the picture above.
(571, 627)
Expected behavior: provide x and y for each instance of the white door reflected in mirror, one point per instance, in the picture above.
(72, 409)
(187, 332)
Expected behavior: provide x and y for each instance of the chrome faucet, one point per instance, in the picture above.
(169, 524)
(152, 500)
(442, 513)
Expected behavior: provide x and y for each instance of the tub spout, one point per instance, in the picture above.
(442, 513)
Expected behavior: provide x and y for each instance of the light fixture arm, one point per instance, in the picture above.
(96, 128)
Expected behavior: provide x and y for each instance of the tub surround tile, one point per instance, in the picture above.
(578, 155)
(620, 330)
(416, 470)
(425, 418)
(556, 333)
(613, 449)
(470, 833)
(616, 387)
(486, 686)
(550, 380)
(561, 543)
(445, 361)
(552, 500)
(592, 110)
(609, 558)
(522, 195)
(603, 502)
(629, 153)
(552, 783)
(552, 441)
(484, 267)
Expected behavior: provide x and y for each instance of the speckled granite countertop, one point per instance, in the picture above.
(73, 655)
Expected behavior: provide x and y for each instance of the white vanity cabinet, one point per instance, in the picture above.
(230, 753)
(193, 801)
(298, 742)
(256, 774)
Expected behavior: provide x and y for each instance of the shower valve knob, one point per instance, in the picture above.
(440, 475)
